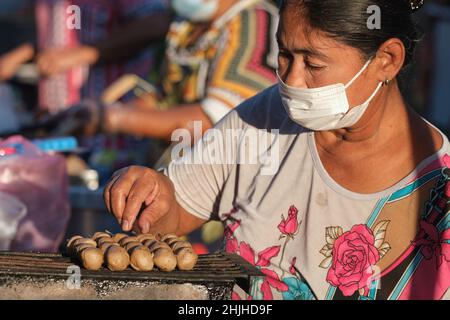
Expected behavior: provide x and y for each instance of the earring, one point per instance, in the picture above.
(386, 82)
(416, 4)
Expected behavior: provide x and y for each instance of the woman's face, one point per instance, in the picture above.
(196, 10)
(310, 59)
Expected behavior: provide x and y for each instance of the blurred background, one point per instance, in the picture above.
(57, 77)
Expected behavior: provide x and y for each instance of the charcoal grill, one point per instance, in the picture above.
(45, 276)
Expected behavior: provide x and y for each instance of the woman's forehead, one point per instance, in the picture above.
(302, 35)
(295, 33)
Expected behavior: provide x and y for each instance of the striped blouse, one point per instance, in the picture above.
(231, 62)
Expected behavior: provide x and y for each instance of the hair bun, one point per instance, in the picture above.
(416, 4)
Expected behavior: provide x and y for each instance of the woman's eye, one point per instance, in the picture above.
(313, 66)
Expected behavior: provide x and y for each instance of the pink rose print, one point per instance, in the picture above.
(272, 279)
(437, 246)
(354, 254)
(230, 229)
(266, 291)
(247, 252)
(231, 244)
(235, 296)
(292, 267)
(289, 226)
(446, 160)
(267, 254)
(445, 245)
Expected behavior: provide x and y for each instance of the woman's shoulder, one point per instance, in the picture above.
(264, 111)
(264, 107)
(438, 137)
(447, 143)
(261, 15)
(434, 146)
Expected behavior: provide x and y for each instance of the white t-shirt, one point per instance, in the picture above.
(313, 238)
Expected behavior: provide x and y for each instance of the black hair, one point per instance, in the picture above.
(346, 21)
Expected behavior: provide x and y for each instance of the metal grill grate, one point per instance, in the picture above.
(221, 269)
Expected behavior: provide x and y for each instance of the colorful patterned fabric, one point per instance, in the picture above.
(63, 90)
(99, 19)
(310, 236)
(229, 63)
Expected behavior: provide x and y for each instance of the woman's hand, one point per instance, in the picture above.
(58, 60)
(142, 199)
(8, 67)
(146, 102)
(11, 61)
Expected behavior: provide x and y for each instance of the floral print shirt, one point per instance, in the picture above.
(311, 237)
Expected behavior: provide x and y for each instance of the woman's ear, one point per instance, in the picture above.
(391, 56)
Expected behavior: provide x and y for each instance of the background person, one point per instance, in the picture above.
(114, 38)
(219, 53)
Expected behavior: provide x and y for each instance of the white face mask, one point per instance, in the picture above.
(196, 10)
(324, 108)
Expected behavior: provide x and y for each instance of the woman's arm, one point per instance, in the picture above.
(11, 61)
(153, 123)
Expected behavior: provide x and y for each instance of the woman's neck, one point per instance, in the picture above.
(387, 126)
(383, 120)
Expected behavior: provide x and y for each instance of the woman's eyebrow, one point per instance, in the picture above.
(308, 51)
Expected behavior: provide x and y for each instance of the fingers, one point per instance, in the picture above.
(119, 193)
(128, 191)
(140, 191)
(117, 190)
(107, 191)
(44, 65)
(49, 63)
(153, 195)
(153, 214)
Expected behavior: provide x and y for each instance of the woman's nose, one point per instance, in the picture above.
(294, 77)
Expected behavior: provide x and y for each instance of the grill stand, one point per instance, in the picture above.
(46, 276)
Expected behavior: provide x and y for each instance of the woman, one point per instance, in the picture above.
(362, 185)
(219, 53)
